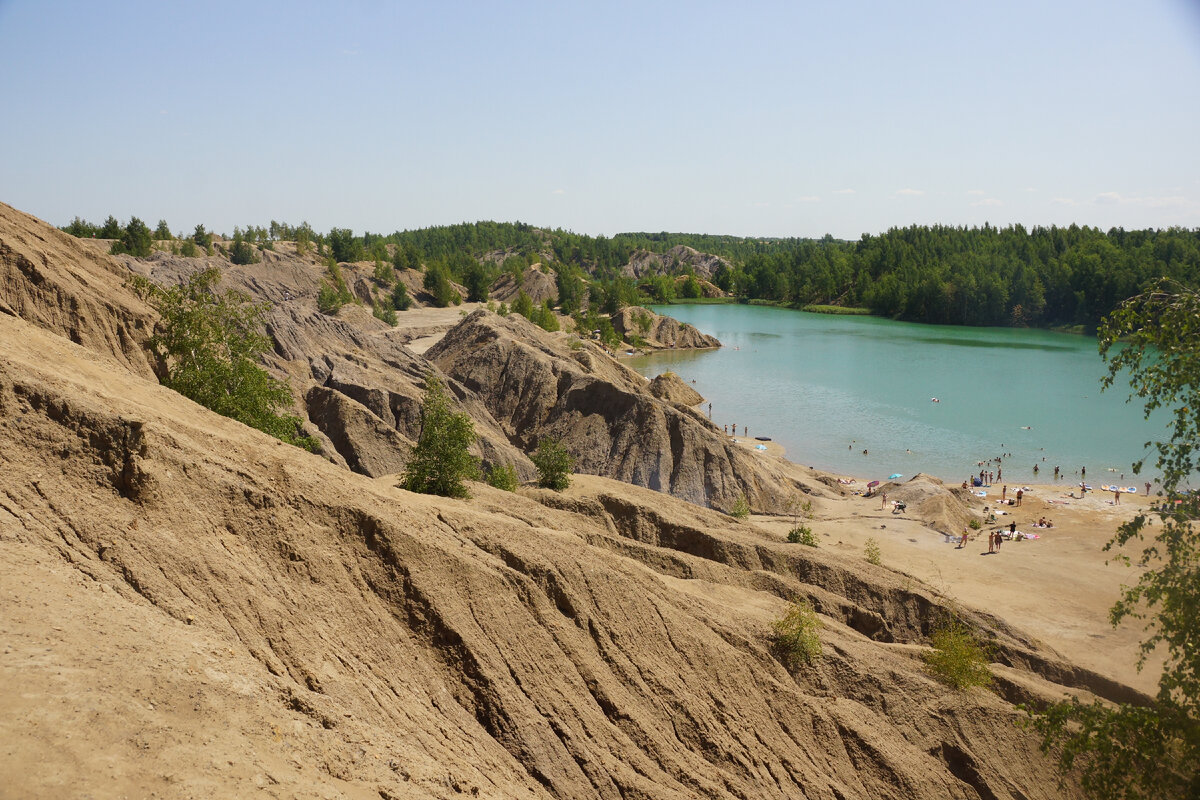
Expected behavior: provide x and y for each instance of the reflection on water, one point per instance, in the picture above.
(829, 387)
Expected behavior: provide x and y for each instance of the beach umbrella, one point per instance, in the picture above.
(872, 484)
(894, 476)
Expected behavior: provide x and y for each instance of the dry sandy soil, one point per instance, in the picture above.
(1058, 587)
(189, 608)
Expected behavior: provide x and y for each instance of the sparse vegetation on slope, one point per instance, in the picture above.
(211, 343)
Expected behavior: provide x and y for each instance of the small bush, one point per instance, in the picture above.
(975, 524)
(441, 461)
(797, 637)
(802, 534)
(741, 508)
(328, 299)
(384, 275)
(553, 464)
(874, 555)
(503, 476)
(958, 658)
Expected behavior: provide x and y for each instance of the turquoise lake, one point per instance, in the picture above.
(828, 387)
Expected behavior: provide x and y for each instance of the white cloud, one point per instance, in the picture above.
(1116, 198)
(762, 204)
(1063, 201)
(808, 198)
(910, 192)
(1030, 189)
(844, 191)
(559, 191)
(977, 192)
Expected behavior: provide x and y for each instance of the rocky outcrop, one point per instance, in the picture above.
(670, 387)
(535, 282)
(672, 262)
(535, 386)
(660, 331)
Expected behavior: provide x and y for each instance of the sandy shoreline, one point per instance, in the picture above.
(1058, 587)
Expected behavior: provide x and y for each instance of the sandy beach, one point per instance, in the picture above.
(1058, 587)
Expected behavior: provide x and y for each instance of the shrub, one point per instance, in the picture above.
(441, 462)
(797, 636)
(741, 508)
(328, 299)
(802, 534)
(957, 658)
(874, 555)
(136, 240)
(975, 524)
(384, 313)
(211, 344)
(400, 299)
(242, 252)
(523, 305)
(503, 476)
(437, 283)
(553, 464)
(544, 317)
(384, 273)
(188, 249)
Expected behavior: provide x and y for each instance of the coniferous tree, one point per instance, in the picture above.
(441, 461)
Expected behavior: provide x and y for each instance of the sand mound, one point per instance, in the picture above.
(670, 387)
(929, 500)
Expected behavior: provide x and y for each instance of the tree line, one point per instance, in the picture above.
(1041, 277)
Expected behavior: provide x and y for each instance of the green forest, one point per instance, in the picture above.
(1045, 277)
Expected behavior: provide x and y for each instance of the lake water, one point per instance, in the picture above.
(829, 387)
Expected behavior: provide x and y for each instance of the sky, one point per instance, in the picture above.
(753, 119)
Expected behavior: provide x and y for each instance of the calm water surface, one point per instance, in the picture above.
(829, 387)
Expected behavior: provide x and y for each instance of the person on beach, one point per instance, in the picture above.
(962, 542)
(1004, 493)
(999, 540)
(1116, 497)
(1147, 488)
(1012, 528)
(991, 542)
(1020, 494)
(883, 500)
(1000, 474)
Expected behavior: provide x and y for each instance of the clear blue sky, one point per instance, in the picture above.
(755, 118)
